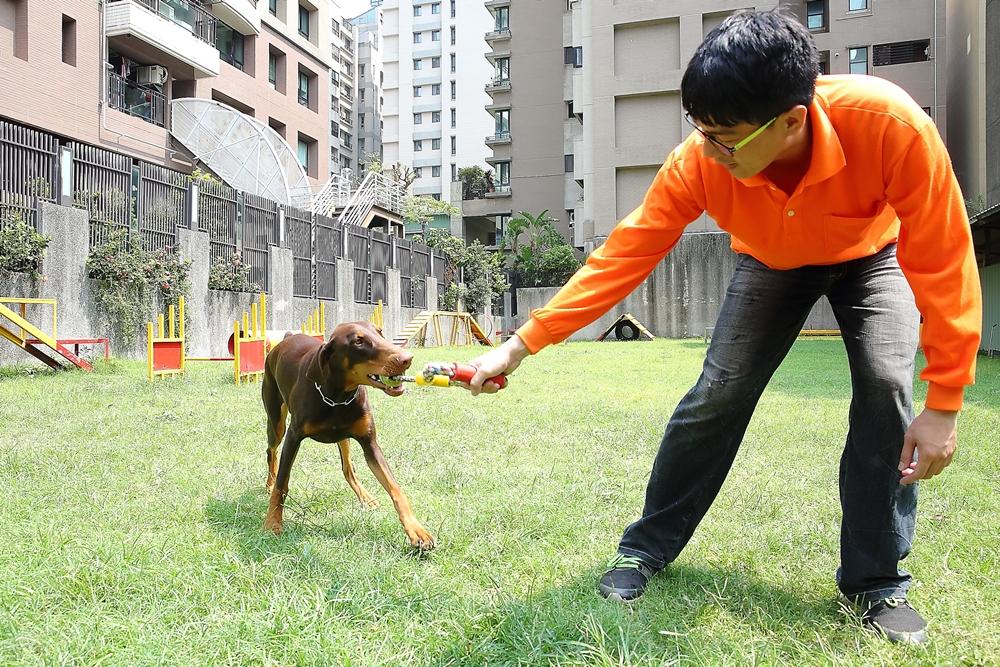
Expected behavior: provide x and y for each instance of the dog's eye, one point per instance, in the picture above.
(359, 342)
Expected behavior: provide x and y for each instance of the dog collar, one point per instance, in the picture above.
(335, 403)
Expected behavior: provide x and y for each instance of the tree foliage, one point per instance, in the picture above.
(473, 273)
(540, 257)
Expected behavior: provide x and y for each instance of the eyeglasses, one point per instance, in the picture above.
(730, 150)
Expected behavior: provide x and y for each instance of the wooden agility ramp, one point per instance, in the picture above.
(19, 330)
(462, 325)
(626, 327)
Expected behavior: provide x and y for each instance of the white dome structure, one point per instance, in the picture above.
(245, 153)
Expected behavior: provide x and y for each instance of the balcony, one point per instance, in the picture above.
(498, 139)
(500, 191)
(498, 85)
(240, 14)
(180, 31)
(500, 34)
(493, 4)
(137, 101)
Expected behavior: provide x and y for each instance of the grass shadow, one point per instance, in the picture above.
(689, 614)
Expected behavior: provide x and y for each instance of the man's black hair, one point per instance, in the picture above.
(750, 68)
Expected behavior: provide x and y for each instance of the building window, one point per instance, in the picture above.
(435, 62)
(452, 8)
(435, 8)
(502, 70)
(454, 117)
(361, 72)
(503, 122)
(503, 18)
(418, 37)
(418, 10)
(303, 21)
(418, 145)
(276, 69)
(303, 89)
(435, 116)
(69, 40)
(857, 5)
(361, 145)
(418, 172)
(454, 90)
(453, 36)
(361, 121)
(272, 6)
(816, 14)
(230, 45)
(435, 144)
(436, 172)
(435, 35)
(900, 53)
(418, 118)
(568, 164)
(416, 91)
(454, 63)
(824, 62)
(859, 60)
(454, 171)
(454, 145)
(435, 89)
(503, 174)
(303, 153)
(569, 109)
(418, 63)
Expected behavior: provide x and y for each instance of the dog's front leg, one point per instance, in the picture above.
(276, 503)
(419, 537)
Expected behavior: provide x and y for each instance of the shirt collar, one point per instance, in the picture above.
(827, 153)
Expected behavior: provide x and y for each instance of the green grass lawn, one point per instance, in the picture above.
(131, 519)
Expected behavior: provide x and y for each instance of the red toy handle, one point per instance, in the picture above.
(464, 373)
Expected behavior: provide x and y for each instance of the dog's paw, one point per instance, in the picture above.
(420, 539)
(272, 523)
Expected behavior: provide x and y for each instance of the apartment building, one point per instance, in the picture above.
(343, 84)
(434, 89)
(104, 73)
(371, 76)
(606, 106)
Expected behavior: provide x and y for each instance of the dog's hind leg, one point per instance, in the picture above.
(277, 415)
(352, 481)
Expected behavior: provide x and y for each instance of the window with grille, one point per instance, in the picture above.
(816, 14)
(899, 53)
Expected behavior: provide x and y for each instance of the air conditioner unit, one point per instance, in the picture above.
(151, 75)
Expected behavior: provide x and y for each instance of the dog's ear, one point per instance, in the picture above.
(328, 351)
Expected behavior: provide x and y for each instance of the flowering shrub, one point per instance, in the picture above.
(128, 277)
(21, 247)
(231, 274)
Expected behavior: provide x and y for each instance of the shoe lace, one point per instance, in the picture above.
(894, 602)
(623, 562)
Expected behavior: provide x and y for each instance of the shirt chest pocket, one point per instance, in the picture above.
(857, 236)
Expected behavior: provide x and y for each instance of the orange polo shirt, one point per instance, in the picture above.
(879, 173)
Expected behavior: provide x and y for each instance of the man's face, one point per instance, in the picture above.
(772, 143)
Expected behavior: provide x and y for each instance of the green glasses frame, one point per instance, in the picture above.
(730, 150)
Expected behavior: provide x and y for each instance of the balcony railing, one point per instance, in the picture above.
(498, 84)
(134, 100)
(502, 190)
(189, 16)
(499, 33)
(498, 138)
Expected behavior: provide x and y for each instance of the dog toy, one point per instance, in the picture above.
(442, 374)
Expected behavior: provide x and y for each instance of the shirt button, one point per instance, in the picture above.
(791, 213)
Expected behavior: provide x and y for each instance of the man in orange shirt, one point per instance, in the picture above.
(837, 186)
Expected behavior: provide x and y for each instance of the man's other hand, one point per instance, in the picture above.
(933, 435)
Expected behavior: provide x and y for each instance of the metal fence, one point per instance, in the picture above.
(329, 246)
(381, 259)
(359, 252)
(261, 229)
(102, 185)
(439, 267)
(162, 205)
(219, 215)
(413, 262)
(29, 164)
(299, 230)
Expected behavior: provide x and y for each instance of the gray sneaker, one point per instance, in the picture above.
(625, 579)
(897, 620)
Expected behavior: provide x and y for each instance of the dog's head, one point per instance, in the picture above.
(358, 352)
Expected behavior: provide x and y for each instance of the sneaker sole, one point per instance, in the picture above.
(616, 594)
(918, 637)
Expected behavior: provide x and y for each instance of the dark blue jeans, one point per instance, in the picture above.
(761, 316)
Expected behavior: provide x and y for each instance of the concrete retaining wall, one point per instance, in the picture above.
(210, 312)
(680, 298)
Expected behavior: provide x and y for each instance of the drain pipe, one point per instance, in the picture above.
(102, 87)
(935, 61)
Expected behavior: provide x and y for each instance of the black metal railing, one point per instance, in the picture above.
(135, 100)
(29, 162)
(188, 15)
(299, 228)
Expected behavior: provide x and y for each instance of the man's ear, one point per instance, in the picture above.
(794, 119)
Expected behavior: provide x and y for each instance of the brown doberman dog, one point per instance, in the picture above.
(323, 387)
